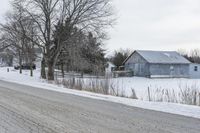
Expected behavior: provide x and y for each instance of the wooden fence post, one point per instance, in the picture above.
(195, 98)
(199, 99)
(149, 95)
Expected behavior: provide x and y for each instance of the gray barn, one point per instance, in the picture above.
(157, 64)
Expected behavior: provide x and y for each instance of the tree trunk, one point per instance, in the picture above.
(31, 69)
(20, 65)
(62, 69)
(43, 72)
(50, 70)
(51, 65)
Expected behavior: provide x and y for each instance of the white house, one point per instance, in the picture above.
(194, 70)
(6, 58)
(38, 52)
(109, 68)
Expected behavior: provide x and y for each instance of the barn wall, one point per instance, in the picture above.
(138, 65)
(169, 70)
(141, 67)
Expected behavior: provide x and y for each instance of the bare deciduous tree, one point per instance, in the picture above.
(16, 29)
(88, 15)
(192, 55)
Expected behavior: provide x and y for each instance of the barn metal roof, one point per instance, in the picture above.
(163, 57)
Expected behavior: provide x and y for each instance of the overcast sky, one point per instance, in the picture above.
(4, 7)
(156, 25)
(151, 24)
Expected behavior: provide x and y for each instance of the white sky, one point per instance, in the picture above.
(4, 7)
(151, 24)
(156, 25)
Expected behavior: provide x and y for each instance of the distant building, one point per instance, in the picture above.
(109, 68)
(39, 55)
(194, 70)
(161, 64)
(6, 58)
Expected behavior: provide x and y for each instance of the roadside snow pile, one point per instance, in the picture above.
(141, 83)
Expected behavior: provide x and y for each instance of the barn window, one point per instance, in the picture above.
(195, 68)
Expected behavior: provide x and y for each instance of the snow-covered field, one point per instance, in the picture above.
(174, 90)
(140, 86)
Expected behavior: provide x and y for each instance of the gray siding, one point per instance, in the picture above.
(138, 65)
(169, 70)
(141, 67)
(195, 72)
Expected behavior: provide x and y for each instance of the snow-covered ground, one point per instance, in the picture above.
(140, 85)
(176, 90)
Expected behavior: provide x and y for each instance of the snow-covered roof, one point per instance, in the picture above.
(163, 57)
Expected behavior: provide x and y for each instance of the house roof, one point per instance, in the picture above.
(163, 57)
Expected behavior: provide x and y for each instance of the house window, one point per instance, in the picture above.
(195, 68)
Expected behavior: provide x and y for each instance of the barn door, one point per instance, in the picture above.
(136, 70)
(172, 72)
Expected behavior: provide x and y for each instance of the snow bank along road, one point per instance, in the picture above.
(25, 109)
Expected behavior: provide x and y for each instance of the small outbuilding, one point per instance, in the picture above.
(194, 71)
(109, 68)
(158, 64)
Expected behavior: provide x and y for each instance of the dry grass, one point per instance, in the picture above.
(101, 86)
(189, 95)
(186, 95)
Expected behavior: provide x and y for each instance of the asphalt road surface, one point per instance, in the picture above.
(25, 109)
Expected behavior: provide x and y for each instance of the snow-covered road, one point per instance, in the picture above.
(33, 110)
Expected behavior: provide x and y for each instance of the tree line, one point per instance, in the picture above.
(192, 55)
(69, 33)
